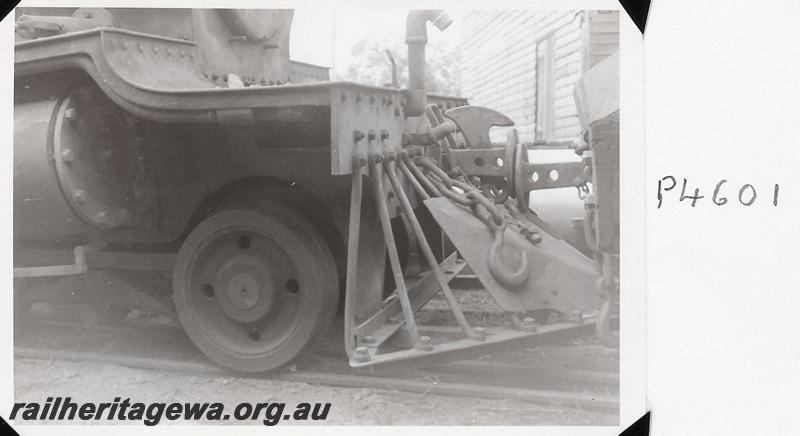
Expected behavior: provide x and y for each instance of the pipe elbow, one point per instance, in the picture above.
(417, 20)
(416, 38)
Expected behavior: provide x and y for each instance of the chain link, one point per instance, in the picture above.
(473, 198)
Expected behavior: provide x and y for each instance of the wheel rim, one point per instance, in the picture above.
(248, 290)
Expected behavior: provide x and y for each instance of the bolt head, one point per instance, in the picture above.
(361, 354)
(480, 332)
(425, 343)
(67, 155)
(535, 237)
(79, 196)
(576, 316)
(71, 114)
(528, 324)
(102, 218)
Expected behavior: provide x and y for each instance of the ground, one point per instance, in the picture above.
(83, 331)
(37, 379)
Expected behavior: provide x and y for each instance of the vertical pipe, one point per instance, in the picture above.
(416, 39)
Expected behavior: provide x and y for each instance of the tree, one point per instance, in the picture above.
(370, 64)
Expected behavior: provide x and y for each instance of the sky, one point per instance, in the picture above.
(326, 37)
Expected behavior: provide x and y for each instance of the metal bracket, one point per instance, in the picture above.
(57, 270)
(475, 123)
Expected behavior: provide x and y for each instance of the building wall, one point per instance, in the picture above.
(499, 65)
(603, 33)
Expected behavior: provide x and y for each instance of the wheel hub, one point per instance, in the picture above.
(247, 288)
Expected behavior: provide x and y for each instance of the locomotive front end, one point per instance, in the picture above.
(186, 142)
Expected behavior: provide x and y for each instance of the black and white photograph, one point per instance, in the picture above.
(350, 217)
(344, 216)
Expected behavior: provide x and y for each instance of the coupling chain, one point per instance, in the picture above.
(494, 219)
(471, 195)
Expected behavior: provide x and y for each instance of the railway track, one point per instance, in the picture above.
(165, 347)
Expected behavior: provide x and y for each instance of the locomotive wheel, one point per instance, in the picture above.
(254, 288)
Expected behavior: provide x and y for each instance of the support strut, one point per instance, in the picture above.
(394, 258)
(426, 249)
(352, 254)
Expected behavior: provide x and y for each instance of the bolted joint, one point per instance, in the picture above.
(480, 333)
(576, 317)
(590, 203)
(102, 218)
(71, 114)
(532, 235)
(67, 155)
(425, 343)
(359, 161)
(79, 196)
(603, 288)
(374, 159)
(361, 354)
(526, 324)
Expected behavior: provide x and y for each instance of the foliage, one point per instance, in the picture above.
(370, 64)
